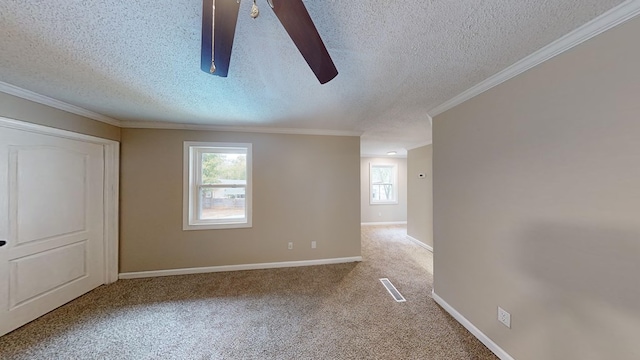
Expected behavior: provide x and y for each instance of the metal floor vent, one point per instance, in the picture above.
(392, 290)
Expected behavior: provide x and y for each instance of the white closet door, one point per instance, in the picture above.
(51, 223)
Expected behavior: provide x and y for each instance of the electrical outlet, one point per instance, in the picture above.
(290, 247)
(313, 244)
(504, 317)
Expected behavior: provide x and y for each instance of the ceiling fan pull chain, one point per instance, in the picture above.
(213, 33)
(254, 10)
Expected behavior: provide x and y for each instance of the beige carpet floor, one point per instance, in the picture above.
(318, 312)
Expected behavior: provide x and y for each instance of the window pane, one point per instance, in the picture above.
(386, 193)
(383, 184)
(224, 168)
(381, 174)
(219, 186)
(382, 192)
(222, 203)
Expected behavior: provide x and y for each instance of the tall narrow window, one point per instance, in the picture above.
(383, 179)
(217, 185)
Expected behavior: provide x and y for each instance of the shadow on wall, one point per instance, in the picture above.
(588, 279)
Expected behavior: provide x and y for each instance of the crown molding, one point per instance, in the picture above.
(379, 156)
(419, 145)
(250, 129)
(60, 105)
(614, 17)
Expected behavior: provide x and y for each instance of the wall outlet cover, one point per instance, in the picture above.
(504, 317)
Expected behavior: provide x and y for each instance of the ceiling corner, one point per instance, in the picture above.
(614, 17)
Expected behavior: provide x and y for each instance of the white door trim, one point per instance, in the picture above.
(111, 185)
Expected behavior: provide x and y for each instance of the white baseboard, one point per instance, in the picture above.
(472, 329)
(384, 223)
(210, 269)
(420, 243)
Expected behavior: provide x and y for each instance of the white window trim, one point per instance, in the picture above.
(395, 184)
(190, 193)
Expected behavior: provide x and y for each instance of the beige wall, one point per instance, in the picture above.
(383, 212)
(537, 204)
(419, 191)
(20, 109)
(305, 188)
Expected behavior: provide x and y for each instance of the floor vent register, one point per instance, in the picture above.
(392, 290)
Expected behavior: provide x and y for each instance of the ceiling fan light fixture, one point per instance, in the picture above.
(254, 10)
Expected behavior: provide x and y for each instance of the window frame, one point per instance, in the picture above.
(394, 183)
(192, 165)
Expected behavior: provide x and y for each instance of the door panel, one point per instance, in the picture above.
(59, 207)
(25, 273)
(52, 219)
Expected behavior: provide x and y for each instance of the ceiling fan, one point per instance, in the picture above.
(219, 18)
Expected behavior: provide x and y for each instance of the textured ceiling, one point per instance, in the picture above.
(140, 60)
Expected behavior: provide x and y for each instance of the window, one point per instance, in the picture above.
(217, 185)
(383, 179)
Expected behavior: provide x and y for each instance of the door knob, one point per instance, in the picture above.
(3, 243)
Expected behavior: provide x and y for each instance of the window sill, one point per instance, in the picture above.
(187, 227)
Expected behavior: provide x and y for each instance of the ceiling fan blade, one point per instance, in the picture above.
(226, 17)
(296, 20)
